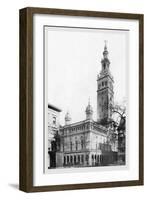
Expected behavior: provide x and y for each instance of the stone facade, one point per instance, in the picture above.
(84, 143)
(87, 143)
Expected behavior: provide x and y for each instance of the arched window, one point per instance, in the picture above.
(78, 158)
(67, 159)
(74, 159)
(70, 146)
(82, 142)
(76, 145)
(70, 159)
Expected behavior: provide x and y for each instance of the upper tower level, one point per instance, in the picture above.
(105, 64)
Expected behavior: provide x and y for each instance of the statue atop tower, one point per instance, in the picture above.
(105, 92)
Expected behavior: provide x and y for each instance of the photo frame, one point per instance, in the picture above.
(56, 47)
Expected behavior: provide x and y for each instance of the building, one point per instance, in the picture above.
(53, 129)
(84, 143)
(105, 94)
(89, 142)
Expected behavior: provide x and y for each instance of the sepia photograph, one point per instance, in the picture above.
(86, 97)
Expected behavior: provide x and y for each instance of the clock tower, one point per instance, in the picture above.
(104, 90)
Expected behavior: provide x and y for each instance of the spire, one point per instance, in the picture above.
(105, 47)
(105, 61)
(105, 52)
(89, 101)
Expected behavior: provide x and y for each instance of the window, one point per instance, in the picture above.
(76, 145)
(71, 146)
(102, 83)
(54, 120)
(105, 83)
(74, 159)
(82, 142)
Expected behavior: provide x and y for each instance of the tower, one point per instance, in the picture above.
(89, 111)
(104, 90)
(67, 119)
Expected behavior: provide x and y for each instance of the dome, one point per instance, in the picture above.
(89, 111)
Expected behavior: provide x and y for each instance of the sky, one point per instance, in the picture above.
(73, 58)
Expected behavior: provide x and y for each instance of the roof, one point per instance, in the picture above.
(54, 107)
(83, 122)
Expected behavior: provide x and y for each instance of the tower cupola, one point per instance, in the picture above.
(89, 111)
(105, 61)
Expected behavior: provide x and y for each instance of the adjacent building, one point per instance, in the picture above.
(53, 129)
